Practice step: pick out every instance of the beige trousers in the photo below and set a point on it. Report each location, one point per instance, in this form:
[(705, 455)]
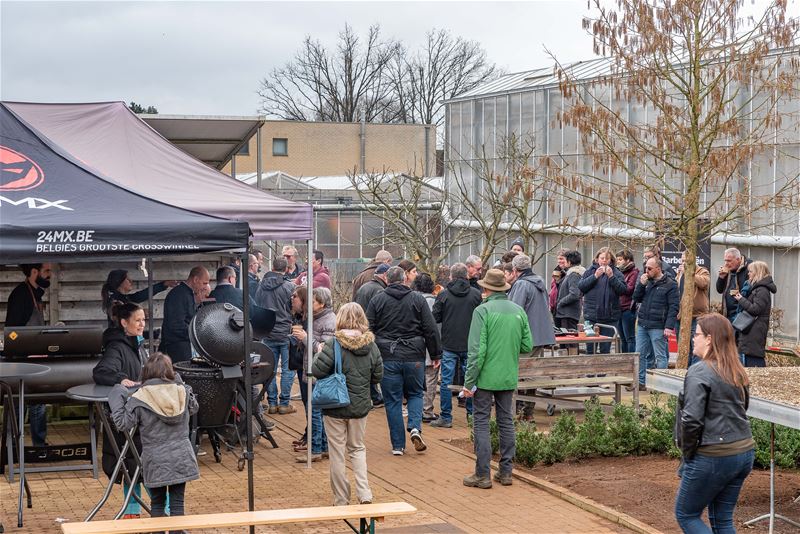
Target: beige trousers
[(347, 435), (431, 388)]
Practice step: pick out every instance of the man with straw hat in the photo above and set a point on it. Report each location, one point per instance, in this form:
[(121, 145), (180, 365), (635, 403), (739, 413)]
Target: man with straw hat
[(499, 332)]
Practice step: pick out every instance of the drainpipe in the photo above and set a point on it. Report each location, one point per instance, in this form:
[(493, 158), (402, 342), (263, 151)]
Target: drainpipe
[(427, 169), (363, 136)]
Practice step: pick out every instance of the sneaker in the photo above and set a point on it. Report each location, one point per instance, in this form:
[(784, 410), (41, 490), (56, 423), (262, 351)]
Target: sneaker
[(505, 479), (474, 481), (405, 411), (441, 423), (416, 439), (272, 410), (377, 403), (325, 455), (642, 387), (269, 425), (283, 410), (201, 452), (429, 418), (132, 516), (303, 458), (365, 502), (398, 452), (297, 396)]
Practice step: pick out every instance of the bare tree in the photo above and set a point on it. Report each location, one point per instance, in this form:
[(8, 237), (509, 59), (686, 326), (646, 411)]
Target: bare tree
[(410, 208), (444, 68), (333, 85), (709, 96)]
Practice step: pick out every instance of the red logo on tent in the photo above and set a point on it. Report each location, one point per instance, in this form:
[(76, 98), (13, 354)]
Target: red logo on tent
[(18, 172)]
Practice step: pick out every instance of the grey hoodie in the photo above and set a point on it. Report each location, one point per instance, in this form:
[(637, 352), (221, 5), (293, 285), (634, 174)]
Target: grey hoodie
[(530, 292), (569, 295), (275, 293), (161, 409)]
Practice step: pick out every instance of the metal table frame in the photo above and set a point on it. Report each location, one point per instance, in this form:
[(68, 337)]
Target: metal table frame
[(24, 370), (97, 396), (766, 410)]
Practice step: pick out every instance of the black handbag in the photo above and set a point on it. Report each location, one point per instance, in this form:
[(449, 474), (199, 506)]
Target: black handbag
[(296, 355), (743, 321)]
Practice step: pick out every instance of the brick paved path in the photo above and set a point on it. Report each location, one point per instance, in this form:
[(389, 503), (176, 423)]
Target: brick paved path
[(430, 481)]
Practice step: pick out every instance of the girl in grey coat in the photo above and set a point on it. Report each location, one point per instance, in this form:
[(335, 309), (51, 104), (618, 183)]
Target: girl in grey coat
[(161, 409)]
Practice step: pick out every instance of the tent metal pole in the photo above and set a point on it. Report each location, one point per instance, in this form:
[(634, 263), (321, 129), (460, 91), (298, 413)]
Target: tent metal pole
[(309, 344), (248, 385), (258, 158), (151, 342)]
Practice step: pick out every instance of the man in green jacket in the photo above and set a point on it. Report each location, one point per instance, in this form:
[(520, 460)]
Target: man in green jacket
[(499, 332)]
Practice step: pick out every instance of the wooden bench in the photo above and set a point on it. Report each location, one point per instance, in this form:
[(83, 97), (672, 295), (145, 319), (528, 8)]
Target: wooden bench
[(368, 514), (536, 374)]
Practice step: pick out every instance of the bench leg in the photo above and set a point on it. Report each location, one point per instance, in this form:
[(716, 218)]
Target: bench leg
[(618, 393)]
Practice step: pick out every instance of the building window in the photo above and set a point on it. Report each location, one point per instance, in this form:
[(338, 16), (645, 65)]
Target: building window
[(280, 146), (245, 150)]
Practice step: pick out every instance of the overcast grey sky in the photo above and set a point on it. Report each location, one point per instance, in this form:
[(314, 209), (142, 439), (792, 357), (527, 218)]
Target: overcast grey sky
[(207, 58)]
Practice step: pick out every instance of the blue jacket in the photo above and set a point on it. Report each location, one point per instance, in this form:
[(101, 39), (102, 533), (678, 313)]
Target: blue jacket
[(659, 299), (599, 307)]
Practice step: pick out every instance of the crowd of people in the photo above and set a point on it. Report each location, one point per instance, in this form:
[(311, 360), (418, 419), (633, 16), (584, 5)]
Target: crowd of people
[(408, 336)]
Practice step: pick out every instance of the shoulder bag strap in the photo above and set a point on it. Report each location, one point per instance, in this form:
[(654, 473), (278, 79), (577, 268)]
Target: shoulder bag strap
[(337, 350)]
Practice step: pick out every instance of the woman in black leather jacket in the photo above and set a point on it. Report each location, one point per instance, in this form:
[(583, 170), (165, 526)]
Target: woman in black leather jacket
[(712, 430)]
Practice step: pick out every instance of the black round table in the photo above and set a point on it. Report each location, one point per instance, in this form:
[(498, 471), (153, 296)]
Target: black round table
[(97, 396), (21, 371)]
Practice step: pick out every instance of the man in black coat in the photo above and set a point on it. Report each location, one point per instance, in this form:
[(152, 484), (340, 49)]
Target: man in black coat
[(253, 266), (732, 276), (404, 329), (658, 295), (225, 291), (25, 308), (378, 283), (453, 309), (179, 309)]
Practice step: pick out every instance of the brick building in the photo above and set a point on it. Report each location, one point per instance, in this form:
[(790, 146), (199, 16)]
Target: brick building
[(333, 148)]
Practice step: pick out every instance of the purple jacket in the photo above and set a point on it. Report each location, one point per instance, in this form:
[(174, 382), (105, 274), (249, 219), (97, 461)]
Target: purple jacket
[(631, 277)]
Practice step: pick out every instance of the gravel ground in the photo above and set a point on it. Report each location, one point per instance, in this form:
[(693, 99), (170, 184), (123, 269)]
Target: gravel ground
[(776, 384)]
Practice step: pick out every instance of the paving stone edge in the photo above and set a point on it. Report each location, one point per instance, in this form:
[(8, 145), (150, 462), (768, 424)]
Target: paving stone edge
[(584, 503)]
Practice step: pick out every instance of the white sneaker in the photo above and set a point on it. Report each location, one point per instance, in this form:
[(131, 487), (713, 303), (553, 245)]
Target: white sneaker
[(416, 439), (398, 452), (405, 411)]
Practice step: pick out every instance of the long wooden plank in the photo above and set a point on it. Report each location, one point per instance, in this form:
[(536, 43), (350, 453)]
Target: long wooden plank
[(242, 519), (564, 382)]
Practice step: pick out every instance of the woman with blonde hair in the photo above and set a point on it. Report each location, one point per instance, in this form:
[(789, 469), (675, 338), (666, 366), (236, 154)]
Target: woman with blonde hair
[(601, 285), (758, 303), (362, 366), (712, 430)]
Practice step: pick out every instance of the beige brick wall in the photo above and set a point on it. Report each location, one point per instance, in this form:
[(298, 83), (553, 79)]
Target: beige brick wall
[(332, 149)]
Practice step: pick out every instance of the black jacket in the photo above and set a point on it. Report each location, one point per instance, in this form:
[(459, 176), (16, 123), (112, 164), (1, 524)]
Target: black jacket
[(453, 308), (710, 411), (252, 285), (758, 303), (403, 325), (369, 290), (568, 304), (275, 293), (20, 304), (179, 309), (137, 297), (232, 295), (123, 357), (593, 309), (473, 283), (659, 300), (732, 281)]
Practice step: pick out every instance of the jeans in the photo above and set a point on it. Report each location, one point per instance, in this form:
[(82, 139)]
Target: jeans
[(692, 358), (403, 378), (158, 500), (602, 348), (653, 350), (449, 362), (713, 482), (281, 351), (37, 417), (319, 439), (754, 361), (482, 402), (627, 331)]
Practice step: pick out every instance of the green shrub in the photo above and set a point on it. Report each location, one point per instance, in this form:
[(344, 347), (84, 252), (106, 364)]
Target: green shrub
[(787, 445)]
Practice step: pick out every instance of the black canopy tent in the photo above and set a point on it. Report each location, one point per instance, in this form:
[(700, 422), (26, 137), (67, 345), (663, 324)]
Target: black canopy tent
[(55, 206)]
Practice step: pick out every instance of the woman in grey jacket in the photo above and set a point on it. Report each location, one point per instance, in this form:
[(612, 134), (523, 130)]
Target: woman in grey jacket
[(161, 409), (712, 430)]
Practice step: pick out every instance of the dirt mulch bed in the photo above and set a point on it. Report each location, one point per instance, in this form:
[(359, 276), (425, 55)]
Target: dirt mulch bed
[(644, 487)]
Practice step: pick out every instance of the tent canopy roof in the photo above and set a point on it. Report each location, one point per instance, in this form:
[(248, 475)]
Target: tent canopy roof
[(110, 140), (210, 138)]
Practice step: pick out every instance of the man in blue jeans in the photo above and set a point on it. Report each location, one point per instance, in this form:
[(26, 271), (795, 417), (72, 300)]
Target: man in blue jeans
[(404, 329), (276, 293), (453, 309), (658, 295)]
